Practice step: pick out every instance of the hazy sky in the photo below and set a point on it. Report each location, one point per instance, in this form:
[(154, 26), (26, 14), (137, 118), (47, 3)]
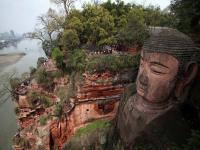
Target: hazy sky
[(21, 15)]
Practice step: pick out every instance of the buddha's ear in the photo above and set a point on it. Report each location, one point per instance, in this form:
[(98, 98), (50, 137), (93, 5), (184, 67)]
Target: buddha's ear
[(189, 74)]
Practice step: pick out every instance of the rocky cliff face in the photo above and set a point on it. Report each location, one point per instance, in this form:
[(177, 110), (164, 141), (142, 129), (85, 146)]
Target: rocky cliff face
[(96, 97)]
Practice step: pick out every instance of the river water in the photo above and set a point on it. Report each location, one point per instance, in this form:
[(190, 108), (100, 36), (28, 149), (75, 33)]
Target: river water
[(33, 51)]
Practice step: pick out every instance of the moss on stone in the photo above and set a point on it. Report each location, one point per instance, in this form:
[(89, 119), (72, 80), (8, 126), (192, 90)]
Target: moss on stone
[(92, 136), (99, 124), (34, 98), (43, 120)]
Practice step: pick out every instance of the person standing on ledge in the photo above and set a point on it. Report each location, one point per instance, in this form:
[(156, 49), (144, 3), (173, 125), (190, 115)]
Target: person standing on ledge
[(167, 69)]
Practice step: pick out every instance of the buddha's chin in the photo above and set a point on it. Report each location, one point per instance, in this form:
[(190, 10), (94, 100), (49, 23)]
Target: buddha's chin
[(142, 94), (146, 100)]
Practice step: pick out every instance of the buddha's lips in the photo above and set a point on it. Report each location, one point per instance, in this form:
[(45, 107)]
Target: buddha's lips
[(141, 88)]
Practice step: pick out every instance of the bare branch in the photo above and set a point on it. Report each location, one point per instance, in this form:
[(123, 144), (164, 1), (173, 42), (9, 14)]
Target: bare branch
[(4, 100), (5, 91), (67, 4), (37, 34)]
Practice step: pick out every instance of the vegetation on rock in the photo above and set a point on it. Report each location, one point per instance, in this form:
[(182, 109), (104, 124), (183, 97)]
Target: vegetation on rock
[(45, 79), (112, 63), (99, 124), (67, 40), (43, 120), (186, 14), (22, 142), (36, 98), (58, 110)]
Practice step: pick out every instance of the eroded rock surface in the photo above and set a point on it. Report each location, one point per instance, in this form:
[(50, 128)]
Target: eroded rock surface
[(96, 97)]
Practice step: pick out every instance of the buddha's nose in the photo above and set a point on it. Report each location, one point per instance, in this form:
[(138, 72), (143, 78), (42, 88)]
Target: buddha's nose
[(143, 79)]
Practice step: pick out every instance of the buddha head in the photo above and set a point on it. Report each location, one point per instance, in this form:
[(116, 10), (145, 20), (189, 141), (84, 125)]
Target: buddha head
[(167, 66)]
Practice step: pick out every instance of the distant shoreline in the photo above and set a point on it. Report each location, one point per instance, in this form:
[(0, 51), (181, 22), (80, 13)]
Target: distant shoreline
[(9, 59)]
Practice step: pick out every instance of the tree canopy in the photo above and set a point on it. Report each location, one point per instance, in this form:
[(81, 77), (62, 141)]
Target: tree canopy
[(95, 26), (99, 25), (187, 14), (66, 4), (49, 26)]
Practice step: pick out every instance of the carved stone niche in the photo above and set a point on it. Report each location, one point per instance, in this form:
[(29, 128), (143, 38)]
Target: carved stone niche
[(104, 108), (168, 66)]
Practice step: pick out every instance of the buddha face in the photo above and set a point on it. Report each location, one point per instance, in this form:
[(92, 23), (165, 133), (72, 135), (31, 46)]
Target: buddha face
[(156, 77)]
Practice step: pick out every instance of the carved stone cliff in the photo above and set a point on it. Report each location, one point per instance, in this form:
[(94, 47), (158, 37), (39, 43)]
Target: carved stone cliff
[(96, 97)]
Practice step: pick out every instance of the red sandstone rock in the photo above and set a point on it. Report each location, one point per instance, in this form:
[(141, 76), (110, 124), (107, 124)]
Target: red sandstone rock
[(95, 98), (23, 102), (49, 65), (61, 81)]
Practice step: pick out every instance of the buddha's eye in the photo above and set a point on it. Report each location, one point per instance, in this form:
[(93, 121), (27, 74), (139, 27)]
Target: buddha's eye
[(159, 70)]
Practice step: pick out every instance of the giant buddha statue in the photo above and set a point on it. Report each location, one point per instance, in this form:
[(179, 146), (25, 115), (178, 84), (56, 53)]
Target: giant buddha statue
[(167, 68)]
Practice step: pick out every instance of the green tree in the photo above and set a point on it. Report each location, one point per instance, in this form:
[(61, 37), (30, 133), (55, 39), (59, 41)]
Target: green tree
[(135, 32), (155, 17), (98, 26), (56, 53), (78, 60), (58, 57), (119, 11), (74, 23), (50, 25), (70, 40), (187, 13)]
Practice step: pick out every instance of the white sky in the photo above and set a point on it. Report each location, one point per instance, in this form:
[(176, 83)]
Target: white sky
[(21, 15)]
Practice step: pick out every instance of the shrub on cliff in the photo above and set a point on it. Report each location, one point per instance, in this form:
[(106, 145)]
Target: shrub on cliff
[(112, 63), (43, 120), (32, 70), (22, 142), (45, 101), (75, 60), (62, 93), (56, 53), (15, 82), (17, 110), (93, 134), (45, 79), (40, 61), (36, 98), (70, 39), (70, 60), (58, 57), (32, 98), (58, 110), (40, 147)]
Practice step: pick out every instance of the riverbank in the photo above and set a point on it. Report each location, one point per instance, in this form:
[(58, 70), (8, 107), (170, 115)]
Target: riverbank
[(8, 59), (33, 50)]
